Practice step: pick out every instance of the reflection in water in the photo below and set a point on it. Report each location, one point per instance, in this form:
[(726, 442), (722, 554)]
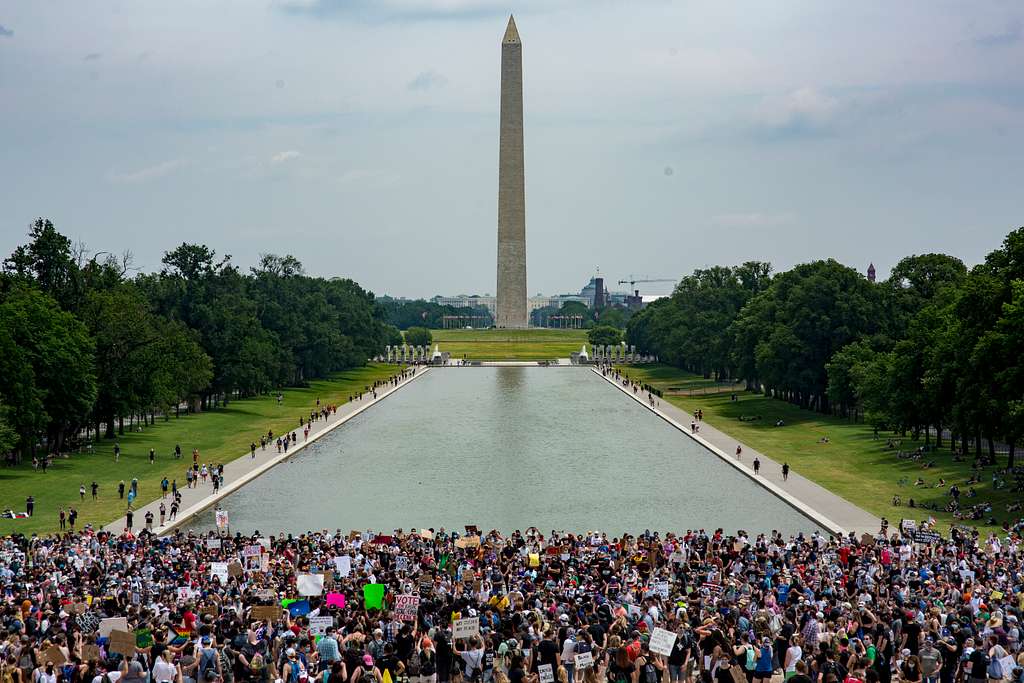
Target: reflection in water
[(506, 448)]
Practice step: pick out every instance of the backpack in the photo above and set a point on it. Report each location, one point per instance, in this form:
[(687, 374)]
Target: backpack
[(368, 676), (751, 661), (428, 666), (412, 667), (649, 672), (207, 660), (995, 668)]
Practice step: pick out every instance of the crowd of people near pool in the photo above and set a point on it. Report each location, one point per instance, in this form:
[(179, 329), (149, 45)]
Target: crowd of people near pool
[(441, 606)]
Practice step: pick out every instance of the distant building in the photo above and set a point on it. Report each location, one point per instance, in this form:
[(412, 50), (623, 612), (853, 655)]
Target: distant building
[(871, 272)]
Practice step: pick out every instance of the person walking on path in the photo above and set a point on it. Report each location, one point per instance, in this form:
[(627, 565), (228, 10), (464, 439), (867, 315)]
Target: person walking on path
[(252, 450), (163, 513), (149, 520), (785, 471), (163, 487), (30, 505), (81, 492), (757, 466), (152, 456), (128, 519), (63, 516), (120, 489), (739, 450)]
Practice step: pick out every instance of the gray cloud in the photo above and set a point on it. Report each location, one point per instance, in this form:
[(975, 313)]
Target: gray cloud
[(5, 32), (143, 175), (427, 80), (405, 10), (92, 57), (1010, 35)]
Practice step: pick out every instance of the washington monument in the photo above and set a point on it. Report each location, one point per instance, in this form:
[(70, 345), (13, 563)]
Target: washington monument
[(511, 300)]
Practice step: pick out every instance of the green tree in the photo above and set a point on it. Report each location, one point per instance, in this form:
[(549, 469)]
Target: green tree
[(418, 336), (604, 335), (50, 381)]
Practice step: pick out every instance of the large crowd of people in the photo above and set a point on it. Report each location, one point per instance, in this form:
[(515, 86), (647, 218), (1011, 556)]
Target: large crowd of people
[(436, 606)]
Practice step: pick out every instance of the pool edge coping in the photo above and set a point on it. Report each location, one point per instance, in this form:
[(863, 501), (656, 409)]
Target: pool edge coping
[(806, 510)]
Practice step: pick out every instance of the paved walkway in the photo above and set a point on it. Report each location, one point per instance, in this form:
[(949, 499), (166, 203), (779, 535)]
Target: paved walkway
[(819, 504), (244, 469)]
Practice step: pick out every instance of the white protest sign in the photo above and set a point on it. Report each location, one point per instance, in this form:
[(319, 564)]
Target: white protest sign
[(252, 551), (112, 624), (222, 518), (466, 628), (220, 570), (662, 641), (318, 625), (661, 589), (584, 660), (401, 563), (406, 607), (310, 584), (545, 673), (213, 543), (343, 564)]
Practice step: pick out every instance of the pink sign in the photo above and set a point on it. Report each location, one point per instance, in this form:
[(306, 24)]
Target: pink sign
[(335, 599)]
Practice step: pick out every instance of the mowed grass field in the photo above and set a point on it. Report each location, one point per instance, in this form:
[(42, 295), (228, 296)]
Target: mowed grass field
[(532, 344), (221, 435), (853, 464)]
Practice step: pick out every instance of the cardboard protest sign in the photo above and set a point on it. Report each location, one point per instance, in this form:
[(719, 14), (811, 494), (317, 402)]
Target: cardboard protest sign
[(584, 660), (54, 654), (235, 569), (468, 542), (122, 642), (662, 641), (373, 595), (310, 584), (90, 652), (262, 612), (112, 623), (545, 674), (427, 534), (335, 600), (318, 625), (466, 628), (406, 607)]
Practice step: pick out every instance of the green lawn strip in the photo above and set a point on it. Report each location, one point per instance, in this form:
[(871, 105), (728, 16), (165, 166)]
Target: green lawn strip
[(853, 464), (221, 435), (532, 344)]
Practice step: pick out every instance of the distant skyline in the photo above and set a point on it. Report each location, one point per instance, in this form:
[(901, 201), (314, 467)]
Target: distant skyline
[(362, 137)]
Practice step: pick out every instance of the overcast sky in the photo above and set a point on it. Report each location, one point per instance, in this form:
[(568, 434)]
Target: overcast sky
[(362, 135)]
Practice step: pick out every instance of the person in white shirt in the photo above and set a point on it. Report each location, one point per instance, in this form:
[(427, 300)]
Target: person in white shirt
[(794, 653)]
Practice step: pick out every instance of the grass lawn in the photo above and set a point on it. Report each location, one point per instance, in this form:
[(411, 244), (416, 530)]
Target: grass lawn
[(532, 344), (221, 435), (853, 464)]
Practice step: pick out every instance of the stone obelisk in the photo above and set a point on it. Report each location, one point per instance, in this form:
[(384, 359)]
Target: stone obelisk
[(511, 304)]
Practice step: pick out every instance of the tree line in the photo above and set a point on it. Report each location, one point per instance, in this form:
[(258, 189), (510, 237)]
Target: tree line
[(935, 347), (86, 342)]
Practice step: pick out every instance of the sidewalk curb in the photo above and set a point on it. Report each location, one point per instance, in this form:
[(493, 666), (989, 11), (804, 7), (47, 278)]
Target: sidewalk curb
[(798, 505), (117, 526)]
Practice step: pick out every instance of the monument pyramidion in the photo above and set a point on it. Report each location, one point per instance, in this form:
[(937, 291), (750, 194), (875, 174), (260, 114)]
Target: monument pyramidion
[(511, 306)]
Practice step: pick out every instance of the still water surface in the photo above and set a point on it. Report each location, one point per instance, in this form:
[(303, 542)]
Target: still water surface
[(506, 448)]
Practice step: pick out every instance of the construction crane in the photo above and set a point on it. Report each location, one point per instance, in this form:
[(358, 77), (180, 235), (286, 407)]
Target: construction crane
[(633, 282)]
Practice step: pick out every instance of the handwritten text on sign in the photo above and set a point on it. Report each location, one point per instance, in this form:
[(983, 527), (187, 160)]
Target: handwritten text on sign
[(662, 641), (466, 628), (406, 607)]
